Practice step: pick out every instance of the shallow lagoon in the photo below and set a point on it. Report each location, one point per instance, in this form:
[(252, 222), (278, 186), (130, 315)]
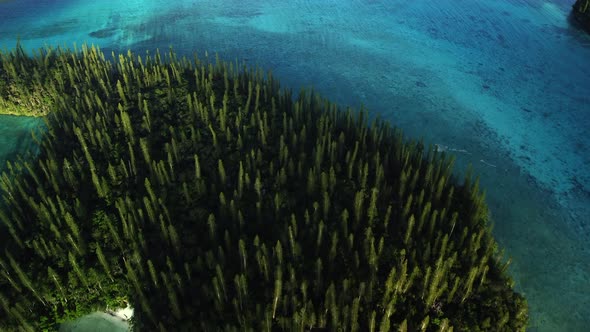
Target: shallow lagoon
[(96, 322), (503, 84), (15, 136)]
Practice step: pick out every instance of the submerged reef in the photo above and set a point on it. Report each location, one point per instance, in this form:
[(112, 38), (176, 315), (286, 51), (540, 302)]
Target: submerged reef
[(581, 12), (211, 199)]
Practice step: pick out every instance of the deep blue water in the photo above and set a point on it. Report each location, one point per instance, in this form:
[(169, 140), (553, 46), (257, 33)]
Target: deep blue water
[(504, 84)]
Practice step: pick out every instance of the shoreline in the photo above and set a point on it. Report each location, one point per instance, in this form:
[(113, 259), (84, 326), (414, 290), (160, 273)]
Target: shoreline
[(124, 314), (118, 320), (21, 114)]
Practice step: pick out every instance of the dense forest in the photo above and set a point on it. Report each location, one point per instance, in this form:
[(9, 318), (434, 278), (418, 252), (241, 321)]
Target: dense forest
[(21, 92), (581, 12), (213, 200)]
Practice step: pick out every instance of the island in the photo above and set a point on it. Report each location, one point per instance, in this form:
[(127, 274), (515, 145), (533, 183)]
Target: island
[(211, 199), (581, 13)]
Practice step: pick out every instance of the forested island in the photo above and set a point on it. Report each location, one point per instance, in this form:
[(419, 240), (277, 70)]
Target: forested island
[(581, 12), (213, 200)]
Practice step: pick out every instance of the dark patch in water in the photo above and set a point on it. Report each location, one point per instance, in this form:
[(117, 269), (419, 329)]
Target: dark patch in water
[(579, 187), (420, 84), (103, 33), (485, 86), (502, 40), (53, 29), (526, 109), (241, 13)]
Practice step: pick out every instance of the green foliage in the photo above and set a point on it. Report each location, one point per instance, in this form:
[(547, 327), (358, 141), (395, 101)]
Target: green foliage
[(582, 5), (245, 208), (581, 12)]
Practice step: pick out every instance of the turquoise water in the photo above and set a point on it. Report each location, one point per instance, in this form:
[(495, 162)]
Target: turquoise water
[(15, 136), (96, 322), (504, 84)]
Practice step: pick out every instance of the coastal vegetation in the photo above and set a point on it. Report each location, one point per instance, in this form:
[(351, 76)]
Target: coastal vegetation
[(22, 92), (581, 12), (211, 199)]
